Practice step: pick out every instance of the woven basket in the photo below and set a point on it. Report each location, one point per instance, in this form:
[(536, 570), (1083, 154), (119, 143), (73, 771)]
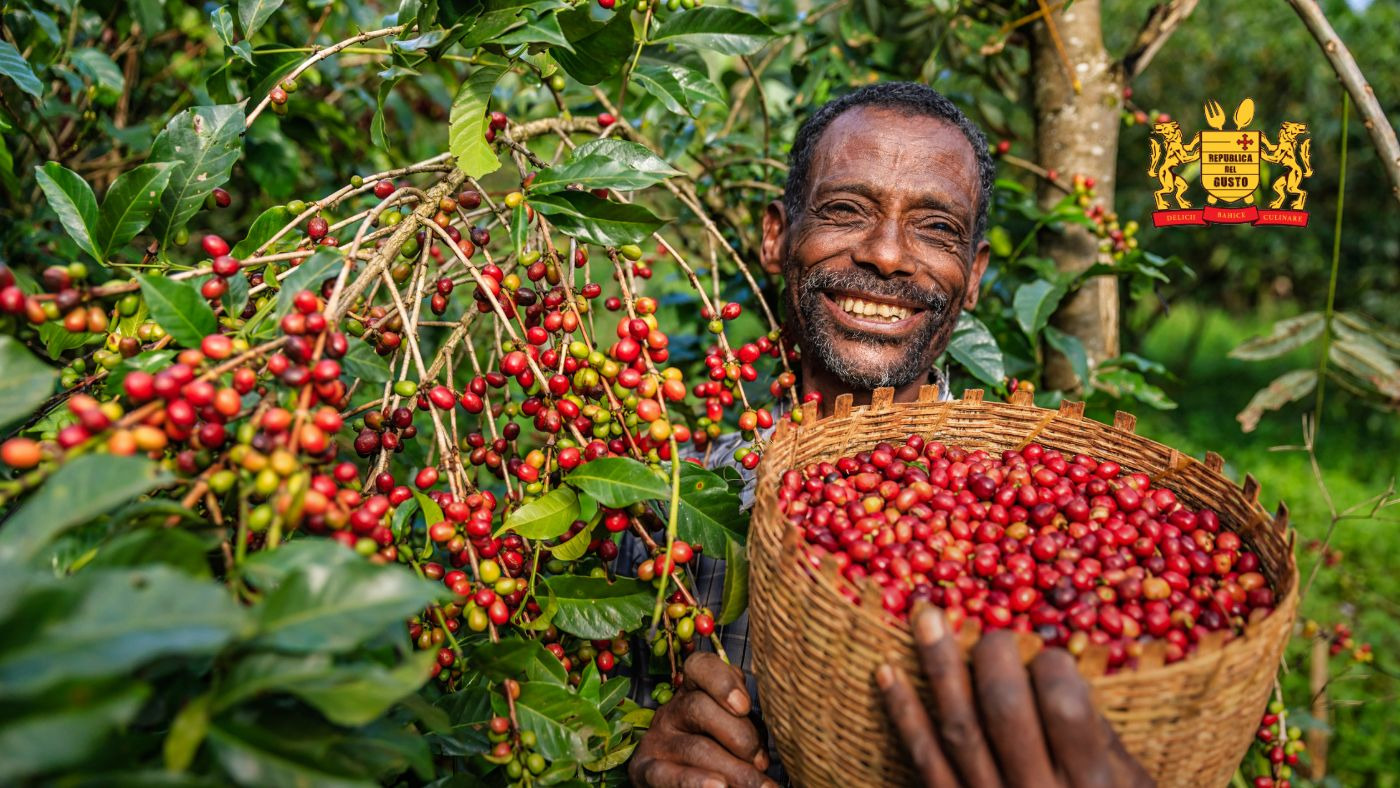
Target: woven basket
[(815, 653)]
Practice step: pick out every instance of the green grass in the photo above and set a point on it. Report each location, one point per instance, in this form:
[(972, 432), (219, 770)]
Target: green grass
[(1356, 449)]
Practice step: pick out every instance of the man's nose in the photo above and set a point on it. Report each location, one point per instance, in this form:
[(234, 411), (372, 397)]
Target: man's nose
[(884, 250)]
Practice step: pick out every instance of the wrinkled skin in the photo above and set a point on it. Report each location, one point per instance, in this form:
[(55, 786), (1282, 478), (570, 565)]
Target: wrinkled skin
[(890, 216)]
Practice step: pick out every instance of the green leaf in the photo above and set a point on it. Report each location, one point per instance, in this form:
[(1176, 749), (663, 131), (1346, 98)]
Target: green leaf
[(187, 732), (323, 265), (466, 131), (544, 30), (574, 549), (79, 491), (72, 199), (268, 569), (597, 221), (974, 347), (172, 547), (351, 694), (724, 30), (709, 512), (52, 736), (27, 381), (519, 228), (561, 721), (591, 607), (222, 22), (616, 165), (514, 658), (618, 481), (1034, 302), (254, 755), (14, 66), (264, 227), (179, 308), (127, 619), (664, 86), (1072, 349), (1126, 383), (1289, 387), (599, 49), (321, 608), (736, 584), (545, 517), (696, 87), (1287, 335), (98, 67), (203, 143), (129, 205), (362, 363), (253, 13)]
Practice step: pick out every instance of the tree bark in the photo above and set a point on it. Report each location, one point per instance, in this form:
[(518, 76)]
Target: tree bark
[(1077, 133)]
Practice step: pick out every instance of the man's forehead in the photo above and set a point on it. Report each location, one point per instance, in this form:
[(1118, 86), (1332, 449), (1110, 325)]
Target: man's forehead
[(892, 149)]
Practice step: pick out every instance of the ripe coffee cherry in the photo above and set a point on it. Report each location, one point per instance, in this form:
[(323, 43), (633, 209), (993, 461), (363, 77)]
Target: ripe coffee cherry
[(21, 453), (225, 266), (317, 227), (606, 119), (214, 246), (383, 188)]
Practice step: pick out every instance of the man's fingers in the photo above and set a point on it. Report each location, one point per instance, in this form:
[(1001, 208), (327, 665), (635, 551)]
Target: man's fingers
[(697, 712), (703, 753), (725, 683), (1077, 736), (912, 722), (669, 774), (1009, 711), (954, 714)]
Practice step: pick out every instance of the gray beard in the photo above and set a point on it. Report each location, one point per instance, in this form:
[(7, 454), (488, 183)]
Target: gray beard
[(820, 330)]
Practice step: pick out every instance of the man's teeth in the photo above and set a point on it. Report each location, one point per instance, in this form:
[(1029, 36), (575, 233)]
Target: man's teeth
[(871, 310)]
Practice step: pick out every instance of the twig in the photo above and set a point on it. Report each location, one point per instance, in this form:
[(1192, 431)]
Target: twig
[(318, 57), (1373, 117), (1162, 21)]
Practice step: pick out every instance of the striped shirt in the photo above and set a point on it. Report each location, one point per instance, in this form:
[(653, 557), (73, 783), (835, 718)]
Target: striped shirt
[(708, 586)]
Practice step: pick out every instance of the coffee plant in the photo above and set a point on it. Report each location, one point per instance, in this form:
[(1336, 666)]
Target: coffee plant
[(319, 462)]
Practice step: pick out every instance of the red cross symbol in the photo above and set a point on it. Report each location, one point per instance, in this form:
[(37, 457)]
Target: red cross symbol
[(1244, 141)]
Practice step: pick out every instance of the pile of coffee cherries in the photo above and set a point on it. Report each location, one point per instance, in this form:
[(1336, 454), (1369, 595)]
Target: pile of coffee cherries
[(1067, 547)]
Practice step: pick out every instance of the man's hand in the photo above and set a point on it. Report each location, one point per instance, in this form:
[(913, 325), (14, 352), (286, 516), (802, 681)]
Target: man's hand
[(1002, 725), (703, 738)]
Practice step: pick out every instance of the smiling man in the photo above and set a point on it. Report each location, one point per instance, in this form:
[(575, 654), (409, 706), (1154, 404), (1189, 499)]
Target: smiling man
[(879, 238)]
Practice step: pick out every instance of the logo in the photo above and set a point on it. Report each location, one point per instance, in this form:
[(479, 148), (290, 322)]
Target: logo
[(1230, 163)]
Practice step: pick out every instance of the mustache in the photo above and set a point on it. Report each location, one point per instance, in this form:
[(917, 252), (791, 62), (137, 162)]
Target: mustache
[(934, 300)]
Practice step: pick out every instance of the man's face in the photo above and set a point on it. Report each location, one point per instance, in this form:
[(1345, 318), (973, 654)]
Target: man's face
[(881, 262)]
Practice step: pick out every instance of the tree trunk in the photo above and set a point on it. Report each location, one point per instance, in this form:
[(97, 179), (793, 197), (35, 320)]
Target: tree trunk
[(1077, 133)]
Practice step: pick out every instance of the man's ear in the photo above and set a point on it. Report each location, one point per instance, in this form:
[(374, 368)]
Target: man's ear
[(974, 277), (774, 238)]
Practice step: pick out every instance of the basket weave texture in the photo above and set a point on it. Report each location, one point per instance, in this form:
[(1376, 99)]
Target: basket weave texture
[(815, 653)]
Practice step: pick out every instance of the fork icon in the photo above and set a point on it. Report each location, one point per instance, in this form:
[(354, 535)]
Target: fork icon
[(1215, 114)]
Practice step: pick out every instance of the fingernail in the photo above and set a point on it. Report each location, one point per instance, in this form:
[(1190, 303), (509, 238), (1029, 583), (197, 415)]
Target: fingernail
[(769, 784), (884, 676), (737, 700), (711, 782), (930, 627), (760, 761)]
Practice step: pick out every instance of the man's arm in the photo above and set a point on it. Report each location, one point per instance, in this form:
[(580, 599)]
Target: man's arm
[(703, 736)]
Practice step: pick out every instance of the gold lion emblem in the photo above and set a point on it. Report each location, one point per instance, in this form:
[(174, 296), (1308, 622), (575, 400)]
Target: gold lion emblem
[(1296, 159), (1166, 157)]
